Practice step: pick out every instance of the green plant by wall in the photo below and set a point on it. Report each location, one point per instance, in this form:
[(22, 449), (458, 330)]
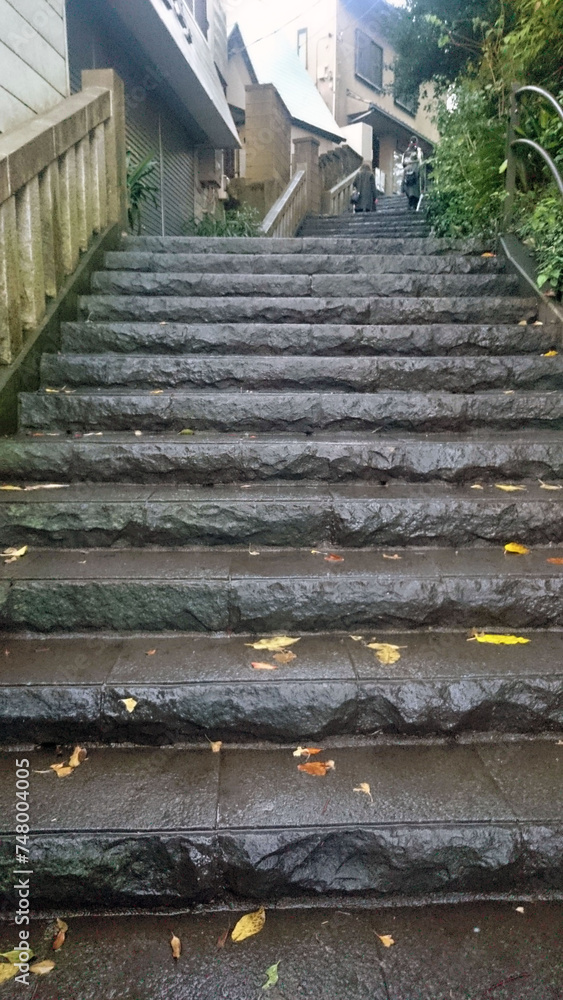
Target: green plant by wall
[(243, 221), (140, 188), (540, 225)]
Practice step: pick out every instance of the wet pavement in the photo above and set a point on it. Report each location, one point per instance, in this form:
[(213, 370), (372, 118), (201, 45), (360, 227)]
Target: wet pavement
[(478, 951)]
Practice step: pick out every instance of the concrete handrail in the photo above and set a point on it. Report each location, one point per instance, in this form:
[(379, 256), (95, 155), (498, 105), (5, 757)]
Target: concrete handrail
[(288, 212), (336, 200), (62, 179)]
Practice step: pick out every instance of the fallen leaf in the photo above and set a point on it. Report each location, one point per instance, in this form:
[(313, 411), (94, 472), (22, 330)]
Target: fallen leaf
[(42, 968), (498, 640), (537, 323), (550, 354), (59, 940), (394, 556), (556, 560), (176, 946), (129, 703), (253, 552), (386, 940), (62, 770), (549, 486), (138, 434), (14, 956), (93, 434), (523, 322), (332, 557), (258, 665), (56, 390), (476, 486), (79, 754), (488, 255), (62, 924), (250, 924), (508, 487), (222, 939), (156, 392), (318, 768), (508, 392), (14, 553), (306, 751), (151, 652), (519, 909), (386, 652), (316, 552), (186, 431), (364, 787), (19, 488), (48, 486), (516, 548), (357, 638), (272, 974), (215, 745), (8, 971), (277, 642), (284, 657)]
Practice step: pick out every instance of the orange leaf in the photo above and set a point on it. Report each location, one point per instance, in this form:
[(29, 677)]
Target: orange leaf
[(306, 751), (151, 652), (176, 946), (263, 666), (556, 561), (59, 940), (317, 767), (332, 557)]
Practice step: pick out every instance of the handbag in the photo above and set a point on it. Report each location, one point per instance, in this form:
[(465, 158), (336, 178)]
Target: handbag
[(355, 197)]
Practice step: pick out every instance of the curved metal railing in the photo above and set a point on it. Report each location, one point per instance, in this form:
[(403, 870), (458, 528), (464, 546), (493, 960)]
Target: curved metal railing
[(513, 141)]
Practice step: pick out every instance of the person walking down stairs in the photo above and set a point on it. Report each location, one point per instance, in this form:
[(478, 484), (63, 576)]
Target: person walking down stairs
[(364, 198)]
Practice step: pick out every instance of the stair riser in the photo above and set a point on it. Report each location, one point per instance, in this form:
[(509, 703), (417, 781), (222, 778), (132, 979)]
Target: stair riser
[(261, 245), (332, 460), (294, 285), (262, 605), (297, 412), (179, 869), (300, 263), (286, 711), (308, 310), (278, 374), (307, 340)]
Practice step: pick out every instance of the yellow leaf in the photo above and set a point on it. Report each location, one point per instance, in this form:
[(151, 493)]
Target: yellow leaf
[(477, 486), (215, 745), (15, 553), (284, 657), (550, 354), (364, 787), (386, 940), (62, 770), (156, 392), (20, 488), (79, 754), (549, 486), (508, 487), (498, 640), (129, 703), (8, 971), (249, 925), (386, 652), (62, 925), (357, 638), (42, 968), (276, 643), (14, 957), (316, 552), (176, 946), (186, 431), (488, 255), (516, 548)]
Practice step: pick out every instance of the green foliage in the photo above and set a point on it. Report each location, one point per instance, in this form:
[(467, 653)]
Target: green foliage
[(243, 221), (140, 188), (467, 191), (541, 227)]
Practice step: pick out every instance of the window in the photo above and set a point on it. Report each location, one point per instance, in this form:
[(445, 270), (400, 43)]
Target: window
[(302, 45), (406, 100), (369, 60)]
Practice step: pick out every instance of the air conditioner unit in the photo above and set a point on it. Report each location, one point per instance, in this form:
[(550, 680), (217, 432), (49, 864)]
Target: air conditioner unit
[(210, 167)]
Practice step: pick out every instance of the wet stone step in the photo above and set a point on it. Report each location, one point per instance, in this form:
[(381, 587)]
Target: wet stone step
[(307, 245), (240, 309), (293, 285), (208, 458), (304, 411), (359, 374), (308, 339), (171, 827), (210, 590), (222, 263), (94, 515), (190, 688)]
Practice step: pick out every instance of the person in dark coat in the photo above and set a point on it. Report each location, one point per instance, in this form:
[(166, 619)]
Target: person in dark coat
[(365, 195), (411, 172)]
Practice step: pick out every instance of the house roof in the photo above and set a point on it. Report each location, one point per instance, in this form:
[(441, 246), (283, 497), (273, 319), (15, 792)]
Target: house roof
[(271, 59)]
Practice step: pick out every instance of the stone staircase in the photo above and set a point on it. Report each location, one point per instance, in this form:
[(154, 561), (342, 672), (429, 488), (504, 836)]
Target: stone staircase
[(308, 438)]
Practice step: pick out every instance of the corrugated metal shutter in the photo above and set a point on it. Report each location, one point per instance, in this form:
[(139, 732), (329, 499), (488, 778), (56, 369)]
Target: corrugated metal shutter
[(178, 176), (143, 139)]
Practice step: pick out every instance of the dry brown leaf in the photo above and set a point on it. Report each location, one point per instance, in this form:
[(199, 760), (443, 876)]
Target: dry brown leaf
[(549, 486), (79, 754), (284, 657), (250, 924), (394, 556), (364, 787), (62, 770), (386, 652), (258, 665), (318, 768), (59, 940), (516, 549), (556, 560), (129, 703), (332, 557), (386, 940), (42, 968), (307, 751), (151, 652), (509, 487), (222, 939), (275, 644), (498, 640), (176, 946), (215, 745)]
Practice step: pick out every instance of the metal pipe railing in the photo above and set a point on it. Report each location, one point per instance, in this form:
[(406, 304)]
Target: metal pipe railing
[(513, 141)]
